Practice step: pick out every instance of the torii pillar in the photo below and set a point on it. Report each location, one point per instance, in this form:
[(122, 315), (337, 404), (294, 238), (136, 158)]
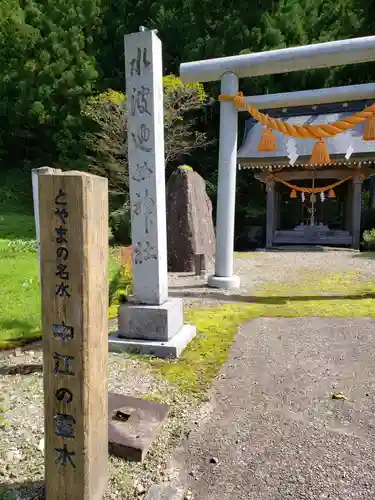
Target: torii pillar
[(226, 189)]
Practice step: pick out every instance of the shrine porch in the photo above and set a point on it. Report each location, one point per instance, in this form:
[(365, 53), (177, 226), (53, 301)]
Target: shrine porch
[(295, 216), (312, 236)]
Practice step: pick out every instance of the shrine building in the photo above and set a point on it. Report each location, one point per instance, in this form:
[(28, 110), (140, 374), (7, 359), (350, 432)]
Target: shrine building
[(311, 204)]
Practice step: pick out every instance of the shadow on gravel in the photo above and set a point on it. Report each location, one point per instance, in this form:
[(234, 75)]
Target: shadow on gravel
[(21, 369), (17, 333), (365, 255), (30, 490), (307, 248), (272, 300), (199, 286)]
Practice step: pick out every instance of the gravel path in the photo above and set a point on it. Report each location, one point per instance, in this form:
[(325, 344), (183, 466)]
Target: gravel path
[(275, 433), (22, 421), (272, 268)]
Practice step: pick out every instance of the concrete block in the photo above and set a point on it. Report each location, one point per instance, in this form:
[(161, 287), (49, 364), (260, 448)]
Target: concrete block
[(169, 349), (146, 322), (133, 425)]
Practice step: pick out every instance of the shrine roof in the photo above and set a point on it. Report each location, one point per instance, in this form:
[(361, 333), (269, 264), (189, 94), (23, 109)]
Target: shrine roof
[(345, 149)]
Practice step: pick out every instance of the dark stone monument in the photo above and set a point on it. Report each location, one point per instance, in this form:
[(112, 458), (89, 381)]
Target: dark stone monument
[(189, 220)]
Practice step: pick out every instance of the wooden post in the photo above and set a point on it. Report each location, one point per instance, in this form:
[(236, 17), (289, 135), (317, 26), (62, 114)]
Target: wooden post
[(348, 206), (270, 187), (356, 211), (372, 193), (73, 211), (277, 209)]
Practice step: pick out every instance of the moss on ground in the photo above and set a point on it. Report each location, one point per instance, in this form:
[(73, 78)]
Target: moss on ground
[(245, 255), (313, 282), (217, 326), (200, 362)]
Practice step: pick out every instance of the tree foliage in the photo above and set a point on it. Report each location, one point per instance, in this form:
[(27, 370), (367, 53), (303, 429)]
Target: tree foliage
[(292, 23), (109, 155), (47, 74), (190, 30), (58, 58)]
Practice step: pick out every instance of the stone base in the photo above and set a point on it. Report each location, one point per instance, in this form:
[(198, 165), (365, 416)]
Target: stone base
[(223, 282), (146, 322), (161, 349)]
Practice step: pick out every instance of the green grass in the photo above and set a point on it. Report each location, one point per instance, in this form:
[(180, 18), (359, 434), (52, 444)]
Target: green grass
[(19, 293), (366, 255), (20, 320), (314, 283)]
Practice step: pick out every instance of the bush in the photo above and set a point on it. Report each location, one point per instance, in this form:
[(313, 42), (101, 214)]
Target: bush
[(120, 225), (369, 239), (16, 190), (121, 286), (367, 219)]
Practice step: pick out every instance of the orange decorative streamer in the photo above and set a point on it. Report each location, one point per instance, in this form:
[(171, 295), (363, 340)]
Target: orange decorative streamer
[(267, 142), (369, 133), (320, 154), (307, 189), (331, 193)]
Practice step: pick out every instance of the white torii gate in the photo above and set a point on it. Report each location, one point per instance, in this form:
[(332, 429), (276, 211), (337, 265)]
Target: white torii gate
[(228, 70)]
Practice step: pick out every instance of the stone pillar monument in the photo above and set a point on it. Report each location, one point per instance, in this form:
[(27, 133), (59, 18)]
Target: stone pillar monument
[(150, 323)]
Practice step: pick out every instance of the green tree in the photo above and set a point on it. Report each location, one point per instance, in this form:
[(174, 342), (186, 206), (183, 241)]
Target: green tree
[(189, 29), (50, 74), (108, 145), (109, 155), (117, 19), (17, 41), (300, 22)]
